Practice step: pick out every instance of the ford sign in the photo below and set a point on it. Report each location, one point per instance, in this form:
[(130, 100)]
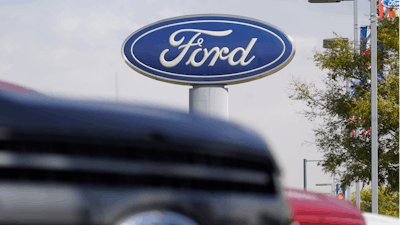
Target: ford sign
[(208, 49), (390, 3)]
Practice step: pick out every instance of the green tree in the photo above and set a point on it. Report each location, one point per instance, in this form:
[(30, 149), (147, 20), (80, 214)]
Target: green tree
[(388, 202), (332, 107)]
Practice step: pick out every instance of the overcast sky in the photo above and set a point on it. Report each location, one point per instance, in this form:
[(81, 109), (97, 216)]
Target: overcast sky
[(73, 49)]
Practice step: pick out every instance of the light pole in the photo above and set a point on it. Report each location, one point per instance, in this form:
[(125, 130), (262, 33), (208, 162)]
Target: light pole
[(355, 8), (374, 111), (305, 171), (357, 49), (331, 184)]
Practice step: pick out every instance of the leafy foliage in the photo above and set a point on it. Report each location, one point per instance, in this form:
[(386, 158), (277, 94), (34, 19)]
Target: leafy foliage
[(388, 202), (333, 107)]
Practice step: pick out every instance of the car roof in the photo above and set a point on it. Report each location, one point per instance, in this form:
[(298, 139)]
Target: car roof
[(35, 114)]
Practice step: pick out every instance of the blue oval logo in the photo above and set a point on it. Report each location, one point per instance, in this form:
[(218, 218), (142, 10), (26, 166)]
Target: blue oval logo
[(208, 49), (390, 3)]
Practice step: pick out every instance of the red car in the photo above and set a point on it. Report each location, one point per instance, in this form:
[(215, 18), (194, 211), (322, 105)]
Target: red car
[(316, 208), (13, 87)]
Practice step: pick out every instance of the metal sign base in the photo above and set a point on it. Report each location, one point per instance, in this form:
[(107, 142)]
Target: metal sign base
[(209, 100)]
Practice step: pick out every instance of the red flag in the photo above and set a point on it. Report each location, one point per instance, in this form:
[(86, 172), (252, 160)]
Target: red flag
[(391, 13), (381, 11)]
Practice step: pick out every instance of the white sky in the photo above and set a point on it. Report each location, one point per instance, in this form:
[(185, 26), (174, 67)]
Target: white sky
[(73, 49)]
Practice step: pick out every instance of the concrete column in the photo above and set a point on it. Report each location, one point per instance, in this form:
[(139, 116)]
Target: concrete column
[(209, 100)]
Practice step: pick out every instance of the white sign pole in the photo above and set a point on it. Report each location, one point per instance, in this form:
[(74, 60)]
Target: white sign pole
[(209, 100)]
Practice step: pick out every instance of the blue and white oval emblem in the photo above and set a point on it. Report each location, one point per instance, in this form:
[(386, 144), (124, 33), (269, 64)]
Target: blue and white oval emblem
[(208, 49), (390, 3)]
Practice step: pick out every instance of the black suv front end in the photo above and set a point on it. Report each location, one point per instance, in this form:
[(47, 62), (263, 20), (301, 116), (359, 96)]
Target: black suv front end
[(75, 162)]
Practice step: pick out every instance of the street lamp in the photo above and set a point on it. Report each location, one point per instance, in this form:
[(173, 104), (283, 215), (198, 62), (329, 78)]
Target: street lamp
[(329, 41), (331, 184), (305, 171), (356, 48), (326, 1), (355, 6)]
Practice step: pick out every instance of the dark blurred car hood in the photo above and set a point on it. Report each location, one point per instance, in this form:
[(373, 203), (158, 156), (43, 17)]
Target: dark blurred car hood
[(36, 115)]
